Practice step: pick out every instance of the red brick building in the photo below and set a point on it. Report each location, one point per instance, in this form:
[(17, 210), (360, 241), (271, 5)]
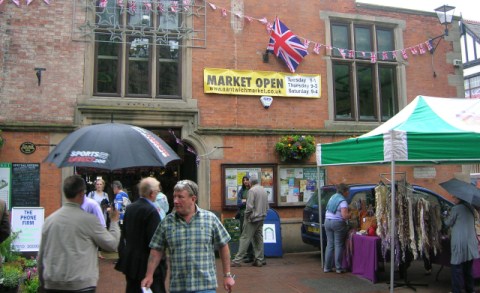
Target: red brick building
[(144, 65)]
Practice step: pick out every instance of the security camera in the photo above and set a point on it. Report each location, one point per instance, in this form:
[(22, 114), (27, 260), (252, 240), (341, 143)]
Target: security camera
[(266, 101)]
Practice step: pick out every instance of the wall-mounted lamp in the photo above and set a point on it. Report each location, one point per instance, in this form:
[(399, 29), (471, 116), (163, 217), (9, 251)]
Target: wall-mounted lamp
[(445, 16), (39, 74)]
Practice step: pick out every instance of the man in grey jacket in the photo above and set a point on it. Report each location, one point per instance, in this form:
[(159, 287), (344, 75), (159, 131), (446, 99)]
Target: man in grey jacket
[(67, 259), (255, 213)]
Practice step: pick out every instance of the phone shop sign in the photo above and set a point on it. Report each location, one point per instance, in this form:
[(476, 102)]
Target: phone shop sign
[(28, 222)]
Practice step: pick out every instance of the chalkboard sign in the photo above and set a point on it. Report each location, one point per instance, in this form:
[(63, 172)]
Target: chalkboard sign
[(25, 185)]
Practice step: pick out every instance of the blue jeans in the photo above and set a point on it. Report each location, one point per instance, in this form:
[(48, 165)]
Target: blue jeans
[(336, 231), (201, 291), (462, 277)]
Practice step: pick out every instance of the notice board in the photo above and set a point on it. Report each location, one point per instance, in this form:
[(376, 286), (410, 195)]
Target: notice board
[(232, 181), (25, 191)]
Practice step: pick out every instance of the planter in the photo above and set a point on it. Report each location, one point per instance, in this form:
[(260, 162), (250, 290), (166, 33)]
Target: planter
[(295, 148)]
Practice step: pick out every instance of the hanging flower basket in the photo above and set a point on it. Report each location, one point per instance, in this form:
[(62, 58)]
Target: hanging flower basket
[(295, 147)]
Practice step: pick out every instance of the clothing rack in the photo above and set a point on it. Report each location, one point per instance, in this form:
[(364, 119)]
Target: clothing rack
[(403, 267)]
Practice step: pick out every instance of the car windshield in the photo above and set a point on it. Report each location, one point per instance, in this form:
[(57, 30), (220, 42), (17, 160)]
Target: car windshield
[(326, 194)]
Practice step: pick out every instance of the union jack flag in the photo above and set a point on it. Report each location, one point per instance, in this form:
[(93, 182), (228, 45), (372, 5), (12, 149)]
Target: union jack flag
[(286, 46)]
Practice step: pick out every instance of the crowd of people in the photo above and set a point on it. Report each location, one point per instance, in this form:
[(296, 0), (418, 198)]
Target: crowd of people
[(174, 251), (153, 245)]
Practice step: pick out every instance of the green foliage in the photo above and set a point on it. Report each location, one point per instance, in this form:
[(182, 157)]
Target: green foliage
[(1, 139), (7, 250), (11, 275), (295, 147)]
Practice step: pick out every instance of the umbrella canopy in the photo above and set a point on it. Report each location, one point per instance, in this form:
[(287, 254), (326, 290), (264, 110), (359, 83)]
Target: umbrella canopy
[(462, 190), (112, 146)]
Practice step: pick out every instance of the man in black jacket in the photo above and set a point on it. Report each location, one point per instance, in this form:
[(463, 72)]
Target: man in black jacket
[(139, 223)]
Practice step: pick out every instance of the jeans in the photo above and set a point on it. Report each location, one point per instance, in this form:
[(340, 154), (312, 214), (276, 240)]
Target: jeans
[(462, 277), (336, 231), (201, 291)]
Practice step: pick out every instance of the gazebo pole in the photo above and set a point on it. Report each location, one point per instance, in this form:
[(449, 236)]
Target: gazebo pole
[(319, 196)]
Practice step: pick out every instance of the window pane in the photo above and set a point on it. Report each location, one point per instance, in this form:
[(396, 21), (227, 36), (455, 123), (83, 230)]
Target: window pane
[(168, 69), (108, 16), (138, 67), (385, 44), (342, 85), (138, 15), (388, 95), (363, 41), (366, 92), (106, 76), (167, 19), (339, 38)]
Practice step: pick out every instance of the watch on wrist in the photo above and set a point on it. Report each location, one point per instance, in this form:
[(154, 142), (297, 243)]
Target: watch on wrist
[(228, 275)]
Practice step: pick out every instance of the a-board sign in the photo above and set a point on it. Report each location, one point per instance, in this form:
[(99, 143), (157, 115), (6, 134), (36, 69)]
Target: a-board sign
[(28, 221), (25, 185)]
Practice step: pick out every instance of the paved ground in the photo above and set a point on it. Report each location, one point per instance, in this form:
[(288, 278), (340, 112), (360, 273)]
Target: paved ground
[(299, 273)]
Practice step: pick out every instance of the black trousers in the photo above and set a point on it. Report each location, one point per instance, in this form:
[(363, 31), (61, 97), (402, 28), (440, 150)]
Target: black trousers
[(158, 285)]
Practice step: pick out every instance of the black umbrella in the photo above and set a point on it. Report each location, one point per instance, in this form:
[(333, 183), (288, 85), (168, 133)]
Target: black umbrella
[(463, 190), (112, 146)]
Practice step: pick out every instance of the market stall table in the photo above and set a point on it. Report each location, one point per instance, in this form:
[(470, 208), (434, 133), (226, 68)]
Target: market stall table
[(365, 257)]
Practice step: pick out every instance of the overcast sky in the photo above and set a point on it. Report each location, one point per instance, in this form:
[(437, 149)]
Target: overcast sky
[(469, 9)]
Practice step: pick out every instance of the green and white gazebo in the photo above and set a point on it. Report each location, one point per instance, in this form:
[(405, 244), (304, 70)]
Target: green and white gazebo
[(429, 130)]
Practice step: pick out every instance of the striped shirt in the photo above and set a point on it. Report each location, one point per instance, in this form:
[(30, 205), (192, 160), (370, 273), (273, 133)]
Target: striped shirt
[(191, 249)]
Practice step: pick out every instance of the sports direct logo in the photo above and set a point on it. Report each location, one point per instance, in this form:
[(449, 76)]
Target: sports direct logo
[(152, 141), (88, 157)]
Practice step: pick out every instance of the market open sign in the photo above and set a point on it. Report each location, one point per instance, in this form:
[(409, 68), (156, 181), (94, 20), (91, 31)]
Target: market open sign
[(247, 82)]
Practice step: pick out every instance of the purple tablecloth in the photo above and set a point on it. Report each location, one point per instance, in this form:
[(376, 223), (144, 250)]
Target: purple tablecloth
[(443, 258), (366, 250)]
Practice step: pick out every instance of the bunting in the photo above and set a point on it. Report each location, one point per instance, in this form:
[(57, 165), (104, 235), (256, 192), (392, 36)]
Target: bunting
[(28, 2), (415, 50), (418, 49), (189, 149)]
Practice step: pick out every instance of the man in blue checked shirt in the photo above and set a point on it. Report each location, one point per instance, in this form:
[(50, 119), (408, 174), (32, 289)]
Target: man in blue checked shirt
[(190, 234)]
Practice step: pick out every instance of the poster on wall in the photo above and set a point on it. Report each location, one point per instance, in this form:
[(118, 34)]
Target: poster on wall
[(5, 182), (28, 222), (297, 184), (232, 181)]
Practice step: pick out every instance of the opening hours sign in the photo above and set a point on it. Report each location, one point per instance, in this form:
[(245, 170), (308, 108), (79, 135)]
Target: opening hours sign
[(259, 83)]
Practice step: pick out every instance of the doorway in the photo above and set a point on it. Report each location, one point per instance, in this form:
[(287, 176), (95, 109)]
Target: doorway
[(168, 176)]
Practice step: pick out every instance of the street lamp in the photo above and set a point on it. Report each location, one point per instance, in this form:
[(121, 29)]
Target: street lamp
[(445, 16)]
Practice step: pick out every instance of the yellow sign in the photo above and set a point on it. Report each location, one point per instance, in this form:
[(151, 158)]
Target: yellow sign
[(260, 83)]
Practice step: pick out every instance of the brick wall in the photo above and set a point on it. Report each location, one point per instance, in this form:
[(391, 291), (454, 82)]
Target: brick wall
[(38, 35), (50, 175), (34, 36)]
